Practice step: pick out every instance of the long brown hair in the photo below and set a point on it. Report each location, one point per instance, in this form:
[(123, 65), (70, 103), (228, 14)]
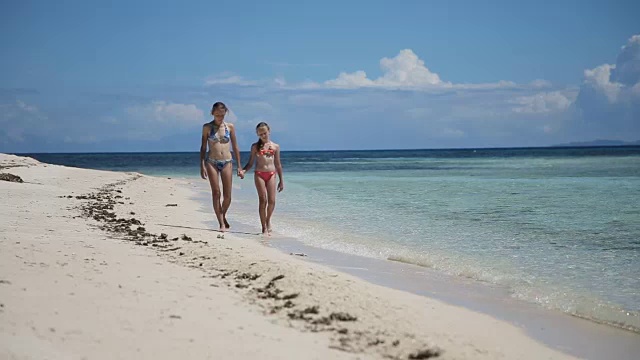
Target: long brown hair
[(259, 144)]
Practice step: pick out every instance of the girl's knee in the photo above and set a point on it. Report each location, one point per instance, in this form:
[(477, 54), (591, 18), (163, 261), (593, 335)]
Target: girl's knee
[(262, 200)]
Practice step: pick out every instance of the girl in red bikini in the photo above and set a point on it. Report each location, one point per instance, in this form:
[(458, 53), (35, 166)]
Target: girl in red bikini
[(266, 153)]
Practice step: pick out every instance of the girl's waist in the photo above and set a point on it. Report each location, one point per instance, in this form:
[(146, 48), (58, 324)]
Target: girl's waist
[(220, 154), (265, 169)]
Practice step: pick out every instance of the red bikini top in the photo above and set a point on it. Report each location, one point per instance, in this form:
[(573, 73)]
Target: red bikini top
[(267, 152)]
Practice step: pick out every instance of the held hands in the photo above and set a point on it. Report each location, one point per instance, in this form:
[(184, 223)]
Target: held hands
[(241, 173)]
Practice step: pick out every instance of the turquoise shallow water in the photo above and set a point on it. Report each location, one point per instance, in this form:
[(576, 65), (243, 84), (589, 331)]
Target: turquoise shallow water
[(557, 227)]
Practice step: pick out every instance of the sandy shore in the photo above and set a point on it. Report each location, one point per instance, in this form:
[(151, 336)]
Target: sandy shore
[(87, 270)]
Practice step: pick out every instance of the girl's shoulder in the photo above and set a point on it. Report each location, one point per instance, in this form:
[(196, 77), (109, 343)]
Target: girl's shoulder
[(206, 128)]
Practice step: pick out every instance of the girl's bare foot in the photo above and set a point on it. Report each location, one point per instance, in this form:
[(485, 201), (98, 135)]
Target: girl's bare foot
[(226, 223), (221, 225)]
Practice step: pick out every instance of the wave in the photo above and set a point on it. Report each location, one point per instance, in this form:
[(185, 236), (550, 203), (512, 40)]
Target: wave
[(553, 298)]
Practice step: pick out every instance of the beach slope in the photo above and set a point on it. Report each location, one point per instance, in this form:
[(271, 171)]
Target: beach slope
[(102, 265)]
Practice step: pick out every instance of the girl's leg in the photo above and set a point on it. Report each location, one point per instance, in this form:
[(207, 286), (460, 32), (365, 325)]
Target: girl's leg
[(212, 174), (271, 200), (227, 181), (262, 201)]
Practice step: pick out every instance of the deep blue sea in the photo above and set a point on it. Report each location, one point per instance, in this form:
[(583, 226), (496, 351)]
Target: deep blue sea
[(559, 227)]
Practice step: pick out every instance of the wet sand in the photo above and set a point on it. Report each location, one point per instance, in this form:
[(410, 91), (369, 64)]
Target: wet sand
[(576, 336), (88, 271)]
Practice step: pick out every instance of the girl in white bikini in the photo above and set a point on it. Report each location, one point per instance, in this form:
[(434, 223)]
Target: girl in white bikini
[(217, 164)]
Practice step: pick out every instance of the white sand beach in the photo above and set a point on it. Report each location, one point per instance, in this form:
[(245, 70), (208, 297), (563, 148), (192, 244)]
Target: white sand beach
[(88, 271)]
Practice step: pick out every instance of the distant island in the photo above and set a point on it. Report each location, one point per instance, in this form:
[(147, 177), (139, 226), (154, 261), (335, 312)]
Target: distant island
[(600, 143)]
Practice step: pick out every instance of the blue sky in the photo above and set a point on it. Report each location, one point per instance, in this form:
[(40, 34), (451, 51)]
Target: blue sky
[(141, 76)]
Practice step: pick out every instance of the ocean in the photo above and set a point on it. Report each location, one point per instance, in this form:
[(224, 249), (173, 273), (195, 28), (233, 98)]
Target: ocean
[(558, 227)]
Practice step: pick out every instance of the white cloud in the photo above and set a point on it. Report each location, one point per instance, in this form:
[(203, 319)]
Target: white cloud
[(403, 70), (544, 102), (540, 83), (228, 79), (599, 79), (407, 71), (350, 81), (609, 101), (421, 119), (163, 112), (627, 70), (617, 82), (502, 84)]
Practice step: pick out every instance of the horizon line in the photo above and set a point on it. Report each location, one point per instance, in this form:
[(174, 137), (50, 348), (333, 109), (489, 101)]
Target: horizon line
[(564, 146)]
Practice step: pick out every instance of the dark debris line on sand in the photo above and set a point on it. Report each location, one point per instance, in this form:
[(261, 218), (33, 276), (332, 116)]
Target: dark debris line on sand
[(99, 207), (10, 178), (333, 321)]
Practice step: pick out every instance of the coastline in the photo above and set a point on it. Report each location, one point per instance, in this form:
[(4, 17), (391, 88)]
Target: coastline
[(575, 335), (79, 265)]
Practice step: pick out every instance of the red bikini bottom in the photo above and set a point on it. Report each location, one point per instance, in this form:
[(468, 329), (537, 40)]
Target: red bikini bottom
[(265, 175)]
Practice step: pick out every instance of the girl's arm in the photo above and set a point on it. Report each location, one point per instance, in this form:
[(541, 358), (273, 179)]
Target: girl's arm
[(279, 169), (236, 148), (252, 157), (203, 150)]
